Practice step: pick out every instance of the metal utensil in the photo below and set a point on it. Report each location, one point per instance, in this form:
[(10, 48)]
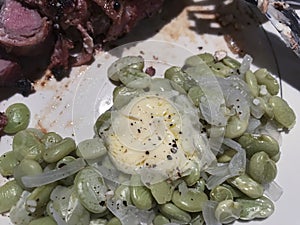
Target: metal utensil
[(284, 18)]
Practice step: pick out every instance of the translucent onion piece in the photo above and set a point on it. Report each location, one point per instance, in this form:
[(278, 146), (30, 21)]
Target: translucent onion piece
[(18, 213), (129, 214), (221, 172), (58, 219), (273, 191), (245, 66), (253, 125), (209, 213), (54, 175)]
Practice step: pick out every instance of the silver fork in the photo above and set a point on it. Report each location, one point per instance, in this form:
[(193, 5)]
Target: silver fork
[(284, 18)]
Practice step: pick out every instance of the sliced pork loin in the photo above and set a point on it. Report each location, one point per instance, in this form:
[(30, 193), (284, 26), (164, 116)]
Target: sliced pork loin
[(23, 31)]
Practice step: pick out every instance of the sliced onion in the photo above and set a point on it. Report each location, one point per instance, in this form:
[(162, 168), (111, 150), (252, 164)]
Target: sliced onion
[(209, 213), (129, 214), (221, 172), (18, 213), (245, 65), (53, 175), (273, 191)]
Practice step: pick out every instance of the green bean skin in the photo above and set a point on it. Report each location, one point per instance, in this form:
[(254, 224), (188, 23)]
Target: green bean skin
[(91, 189), (10, 193), (253, 143), (27, 145), (18, 116), (227, 211), (265, 78), (39, 198), (247, 185), (8, 162), (206, 57), (160, 220), (134, 78), (195, 93), (194, 176), (226, 156), (114, 221), (104, 117), (59, 150), (261, 168), (235, 127), (259, 208), (47, 220), (220, 193), (230, 62), (123, 193), (50, 139), (124, 63), (283, 113), (162, 191), (252, 83), (99, 221), (171, 211), (91, 148), (141, 196), (27, 167), (192, 201), (220, 69)]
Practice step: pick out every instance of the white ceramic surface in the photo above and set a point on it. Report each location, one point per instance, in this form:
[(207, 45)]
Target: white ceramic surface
[(69, 108)]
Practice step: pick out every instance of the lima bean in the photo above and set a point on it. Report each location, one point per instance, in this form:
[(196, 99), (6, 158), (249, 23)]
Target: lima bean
[(122, 95), (50, 138), (27, 167), (123, 193), (247, 185), (206, 57), (160, 220), (195, 93), (99, 221), (114, 221), (283, 113), (59, 150), (194, 175), (47, 220), (162, 191), (91, 189), (27, 145), (18, 117), (226, 156), (124, 63), (232, 63), (141, 196), (254, 143), (10, 193), (220, 193), (220, 69), (103, 118), (227, 211), (252, 83), (171, 211), (39, 198), (191, 201), (265, 78), (261, 168), (255, 208), (235, 127), (8, 162), (91, 148)]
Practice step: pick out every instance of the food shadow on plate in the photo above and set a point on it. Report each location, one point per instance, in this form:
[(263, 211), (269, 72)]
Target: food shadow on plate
[(151, 26), (241, 25)]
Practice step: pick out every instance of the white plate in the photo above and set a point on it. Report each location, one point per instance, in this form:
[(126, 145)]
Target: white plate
[(62, 106)]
